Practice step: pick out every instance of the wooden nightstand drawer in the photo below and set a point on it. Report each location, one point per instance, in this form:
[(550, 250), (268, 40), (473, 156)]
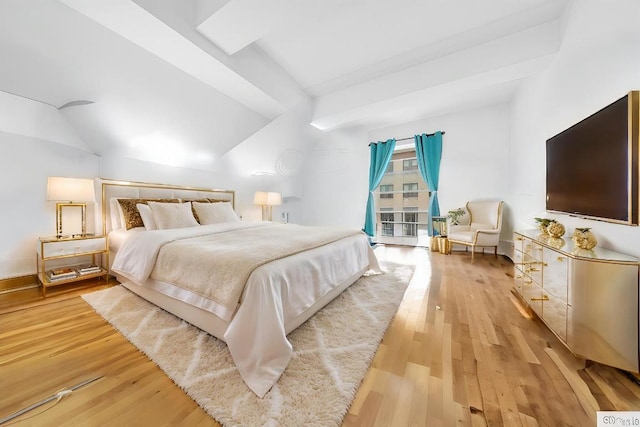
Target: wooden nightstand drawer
[(61, 248)]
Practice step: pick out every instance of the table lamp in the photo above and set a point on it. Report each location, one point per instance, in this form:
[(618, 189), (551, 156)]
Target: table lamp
[(70, 192), (267, 199)]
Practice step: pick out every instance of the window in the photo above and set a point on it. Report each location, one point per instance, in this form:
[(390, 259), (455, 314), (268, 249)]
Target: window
[(410, 222), (410, 190), (386, 191), (402, 202), (387, 219), (409, 164), (411, 217)]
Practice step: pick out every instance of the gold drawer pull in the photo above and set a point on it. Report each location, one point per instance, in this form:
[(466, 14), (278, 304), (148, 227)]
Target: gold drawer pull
[(544, 298), (561, 258), (518, 238), (533, 269)]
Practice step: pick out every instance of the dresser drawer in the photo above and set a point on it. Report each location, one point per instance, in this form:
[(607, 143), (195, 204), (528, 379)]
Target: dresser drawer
[(72, 247), (554, 313), (533, 295), (532, 250), (518, 259)]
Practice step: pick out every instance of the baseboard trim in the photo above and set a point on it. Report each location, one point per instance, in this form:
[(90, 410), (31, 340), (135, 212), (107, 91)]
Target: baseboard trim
[(18, 282)]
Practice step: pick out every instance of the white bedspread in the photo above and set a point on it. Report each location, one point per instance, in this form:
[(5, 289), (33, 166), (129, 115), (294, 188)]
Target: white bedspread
[(273, 295)]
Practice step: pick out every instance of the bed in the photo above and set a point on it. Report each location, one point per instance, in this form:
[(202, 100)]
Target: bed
[(247, 283)]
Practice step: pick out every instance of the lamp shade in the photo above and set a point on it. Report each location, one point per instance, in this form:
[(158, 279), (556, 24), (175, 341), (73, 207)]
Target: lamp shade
[(274, 199), (70, 189), (260, 198)]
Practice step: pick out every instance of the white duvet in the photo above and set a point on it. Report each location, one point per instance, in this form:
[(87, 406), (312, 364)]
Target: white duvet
[(275, 294)]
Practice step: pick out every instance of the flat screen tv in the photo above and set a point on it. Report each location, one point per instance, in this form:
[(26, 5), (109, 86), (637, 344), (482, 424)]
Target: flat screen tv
[(592, 167)]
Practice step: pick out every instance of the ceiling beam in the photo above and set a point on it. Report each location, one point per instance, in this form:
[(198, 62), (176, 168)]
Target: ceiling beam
[(239, 23), (129, 20), (499, 61)]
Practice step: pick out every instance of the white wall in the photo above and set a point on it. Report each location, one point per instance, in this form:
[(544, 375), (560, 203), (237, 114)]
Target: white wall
[(474, 165), (25, 164), (334, 182), (597, 64)]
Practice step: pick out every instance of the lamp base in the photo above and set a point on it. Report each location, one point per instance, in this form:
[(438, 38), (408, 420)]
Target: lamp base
[(59, 207), (266, 212)]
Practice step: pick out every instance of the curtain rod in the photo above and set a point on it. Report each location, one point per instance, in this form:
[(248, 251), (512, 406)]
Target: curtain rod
[(411, 137), (406, 139)]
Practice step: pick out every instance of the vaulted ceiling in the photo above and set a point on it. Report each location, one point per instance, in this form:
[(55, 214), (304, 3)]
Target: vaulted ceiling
[(185, 81)]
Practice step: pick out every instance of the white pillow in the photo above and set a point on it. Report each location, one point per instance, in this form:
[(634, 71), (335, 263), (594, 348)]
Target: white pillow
[(172, 215), (147, 216), (115, 212), (215, 213)]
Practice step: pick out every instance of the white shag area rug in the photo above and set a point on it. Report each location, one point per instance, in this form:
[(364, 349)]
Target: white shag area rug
[(331, 353)]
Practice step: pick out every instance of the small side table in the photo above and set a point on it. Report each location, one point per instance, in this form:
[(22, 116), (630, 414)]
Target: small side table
[(72, 249), (444, 245), (440, 244)]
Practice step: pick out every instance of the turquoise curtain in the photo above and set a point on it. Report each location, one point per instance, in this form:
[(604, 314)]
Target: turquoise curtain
[(381, 153), (429, 153)]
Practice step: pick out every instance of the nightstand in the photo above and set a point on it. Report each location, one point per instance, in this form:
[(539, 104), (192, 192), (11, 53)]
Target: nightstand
[(69, 259)]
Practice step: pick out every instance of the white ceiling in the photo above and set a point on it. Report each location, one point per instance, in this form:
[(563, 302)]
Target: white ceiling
[(205, 75)]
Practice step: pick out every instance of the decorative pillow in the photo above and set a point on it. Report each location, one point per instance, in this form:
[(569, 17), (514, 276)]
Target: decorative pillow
[(147, 216), (215, 213), (131, 215), (172, 215)]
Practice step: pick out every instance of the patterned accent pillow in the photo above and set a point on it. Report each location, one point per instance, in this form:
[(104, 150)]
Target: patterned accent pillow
[(132, 218)]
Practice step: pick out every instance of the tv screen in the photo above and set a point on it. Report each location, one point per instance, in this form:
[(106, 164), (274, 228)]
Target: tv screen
[(592, 167)]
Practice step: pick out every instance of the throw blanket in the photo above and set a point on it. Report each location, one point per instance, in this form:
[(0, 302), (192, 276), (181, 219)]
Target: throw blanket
[(137, 255), (217, 264)]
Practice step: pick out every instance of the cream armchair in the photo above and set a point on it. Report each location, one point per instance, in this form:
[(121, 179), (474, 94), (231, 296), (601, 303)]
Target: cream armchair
[(482, 228)]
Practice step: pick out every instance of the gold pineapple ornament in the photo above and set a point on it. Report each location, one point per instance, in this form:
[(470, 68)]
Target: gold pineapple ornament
[(583, 238), (555, 229)]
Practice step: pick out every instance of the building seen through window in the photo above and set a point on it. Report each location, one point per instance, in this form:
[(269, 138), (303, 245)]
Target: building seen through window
[(386, 191), (402, 201), (410, 164)]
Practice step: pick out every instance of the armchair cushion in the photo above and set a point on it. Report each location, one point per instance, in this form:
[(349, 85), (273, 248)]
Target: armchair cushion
[(479, 226), (456, 228), (463, 236)]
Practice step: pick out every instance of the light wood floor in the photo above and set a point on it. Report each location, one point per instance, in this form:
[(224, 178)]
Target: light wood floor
[(459, 352)]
